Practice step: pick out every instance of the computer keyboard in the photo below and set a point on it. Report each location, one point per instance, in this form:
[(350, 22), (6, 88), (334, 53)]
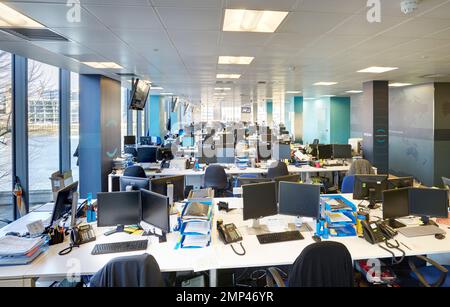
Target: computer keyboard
[(279, 237), (119, 247)]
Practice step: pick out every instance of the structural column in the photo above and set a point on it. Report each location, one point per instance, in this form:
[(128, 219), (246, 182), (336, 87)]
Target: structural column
[(64, 121), (376, 124)]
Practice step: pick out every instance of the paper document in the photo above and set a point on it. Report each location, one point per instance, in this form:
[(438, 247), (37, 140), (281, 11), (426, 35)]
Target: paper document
[(338, 217), (11, 245), (197, 227), (196, 241)]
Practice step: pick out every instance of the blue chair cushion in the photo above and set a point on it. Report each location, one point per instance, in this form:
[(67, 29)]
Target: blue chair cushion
[(431, 275), (348, 184)]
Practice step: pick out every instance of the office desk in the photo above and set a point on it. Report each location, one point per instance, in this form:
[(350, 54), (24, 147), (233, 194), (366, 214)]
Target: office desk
[(195, 178)]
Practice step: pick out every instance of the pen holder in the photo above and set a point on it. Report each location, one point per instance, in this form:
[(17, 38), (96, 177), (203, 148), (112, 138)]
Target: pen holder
[(56, 235)]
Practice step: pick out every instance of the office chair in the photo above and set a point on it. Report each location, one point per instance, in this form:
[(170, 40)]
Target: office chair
[(216, 178), (316, 142), (277, 169), (131, 151), (361, 167), (130, 271), (434, 275), (135, 171), (322, 264), (348, 184)]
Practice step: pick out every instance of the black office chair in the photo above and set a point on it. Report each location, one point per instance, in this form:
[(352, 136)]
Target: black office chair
[(135, 171), (277, 169), (322, 264), (216, 178), (130, 271)]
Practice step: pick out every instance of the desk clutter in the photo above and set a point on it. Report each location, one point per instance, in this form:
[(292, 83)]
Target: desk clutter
[(16, 250)]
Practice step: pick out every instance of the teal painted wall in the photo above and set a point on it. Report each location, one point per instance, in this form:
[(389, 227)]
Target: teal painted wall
[(155, 113), (340, 120), (298, 119), (269, 110), (316, 120)]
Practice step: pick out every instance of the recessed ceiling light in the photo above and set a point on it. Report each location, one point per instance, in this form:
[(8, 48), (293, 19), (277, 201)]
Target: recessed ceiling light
[(328, 95), (228, 76), (236, 60), (11, 18), (354, 92), (377, 69), (399, 84), (166, 94), (325, 83), (103, 65), (293, 92), (253, 20), (309, 98), (157, 88), (222, 88)]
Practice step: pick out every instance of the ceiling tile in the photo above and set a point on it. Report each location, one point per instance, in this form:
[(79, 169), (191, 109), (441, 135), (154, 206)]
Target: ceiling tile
[(191, 19)]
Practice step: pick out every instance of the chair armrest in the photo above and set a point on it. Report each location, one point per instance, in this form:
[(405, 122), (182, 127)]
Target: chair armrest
[(274, 275), (422, 279)]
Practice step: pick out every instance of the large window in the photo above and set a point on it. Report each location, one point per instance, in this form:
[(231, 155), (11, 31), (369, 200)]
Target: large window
[(6, 204), (43, 130), (74, 123), (124, 112)]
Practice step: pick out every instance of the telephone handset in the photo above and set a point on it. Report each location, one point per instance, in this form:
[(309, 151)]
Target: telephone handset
[(228, 233), (377, 232), (82, 234)]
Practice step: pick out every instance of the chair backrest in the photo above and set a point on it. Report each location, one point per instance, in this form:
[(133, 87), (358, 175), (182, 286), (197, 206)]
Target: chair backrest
[(215, 177), (323, 264), (361, 167), (348, 184), (130, 271), (277, 169), (135, 171)]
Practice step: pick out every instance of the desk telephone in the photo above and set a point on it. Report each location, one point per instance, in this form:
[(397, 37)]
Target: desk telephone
[(228, 233), (82, 234), (377, 232)]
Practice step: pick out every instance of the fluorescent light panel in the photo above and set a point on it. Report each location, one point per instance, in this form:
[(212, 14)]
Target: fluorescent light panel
[(354, 92), (293, 92), (236, 60), (157, 88), (228, 76), (253, 20), (325, 83), (222, 88), (166, 94), (10, 18), (103, 65), (377, 69), (399, 84)]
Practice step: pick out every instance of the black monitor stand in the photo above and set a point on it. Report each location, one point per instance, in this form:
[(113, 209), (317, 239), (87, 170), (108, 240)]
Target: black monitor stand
[(394, 223), (119, 228), (162, 237), (427, 222), (372, 200)]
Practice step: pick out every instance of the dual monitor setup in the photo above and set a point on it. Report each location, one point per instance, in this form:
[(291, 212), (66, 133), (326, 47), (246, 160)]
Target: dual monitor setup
[(331, 151)]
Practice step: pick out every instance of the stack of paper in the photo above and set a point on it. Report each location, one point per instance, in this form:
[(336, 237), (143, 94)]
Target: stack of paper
[(19, 251), (195, 226)]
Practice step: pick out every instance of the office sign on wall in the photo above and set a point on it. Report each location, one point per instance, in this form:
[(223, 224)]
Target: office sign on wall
[(246, 110)]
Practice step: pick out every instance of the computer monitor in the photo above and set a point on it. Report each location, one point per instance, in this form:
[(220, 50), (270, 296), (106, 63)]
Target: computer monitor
[(426, 203), (147, 154), (342, 151), (370, 187), (64, 200), (281, 151), (298, 199), (402, 182), (145, 140), (129, 140), (164, 154), (134, 183), (287, 178), (324, 152), (243, 181), (160, 186), (259, 200), (118, 209), (395, 205), (155, 210)]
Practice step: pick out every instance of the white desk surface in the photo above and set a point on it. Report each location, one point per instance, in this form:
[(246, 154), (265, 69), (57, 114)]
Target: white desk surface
[(238, 171), (217, 256)]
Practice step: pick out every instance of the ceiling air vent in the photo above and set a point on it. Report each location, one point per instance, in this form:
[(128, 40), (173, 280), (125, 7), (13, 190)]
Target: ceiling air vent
[(35, 34)]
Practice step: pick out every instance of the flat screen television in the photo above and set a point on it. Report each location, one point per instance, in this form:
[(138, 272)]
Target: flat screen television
[(139, 95)]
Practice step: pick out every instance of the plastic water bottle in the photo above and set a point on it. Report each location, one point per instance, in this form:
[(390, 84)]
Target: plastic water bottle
[(91, 215)]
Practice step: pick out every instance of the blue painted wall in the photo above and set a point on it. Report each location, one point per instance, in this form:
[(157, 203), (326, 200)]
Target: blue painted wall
[(155, 113)]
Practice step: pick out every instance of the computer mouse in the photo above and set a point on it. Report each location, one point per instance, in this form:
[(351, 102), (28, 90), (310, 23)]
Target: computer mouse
[(316, 238), (439, 236)]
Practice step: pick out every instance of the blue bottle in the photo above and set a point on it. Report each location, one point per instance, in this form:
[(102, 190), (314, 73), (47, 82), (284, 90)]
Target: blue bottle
[(91, 215)]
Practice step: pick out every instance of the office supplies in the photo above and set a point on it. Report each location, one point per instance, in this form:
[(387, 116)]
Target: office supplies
[(195, 241), (370, 187), (316, 238), (197, 210), (278, 237), (259, 201), (119, 247), (155, 212), (439, 236), (300, 200), (428, 203), (134, 183), (420, 231), (36, 228), (118, 209), (79, 235), (395, 205)]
